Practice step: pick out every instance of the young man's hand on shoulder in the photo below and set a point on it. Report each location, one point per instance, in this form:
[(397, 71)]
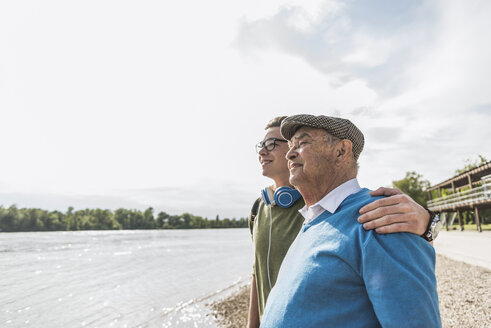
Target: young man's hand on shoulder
[(396, 213)]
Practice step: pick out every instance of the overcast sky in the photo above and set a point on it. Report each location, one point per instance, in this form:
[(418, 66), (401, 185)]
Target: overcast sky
[(159, 103)]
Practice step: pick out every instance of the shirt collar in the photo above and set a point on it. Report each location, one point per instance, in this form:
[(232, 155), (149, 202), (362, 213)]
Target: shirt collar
[(331, 201)]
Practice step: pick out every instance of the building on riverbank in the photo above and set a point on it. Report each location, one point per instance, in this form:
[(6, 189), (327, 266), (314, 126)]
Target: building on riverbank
[(468, 191)]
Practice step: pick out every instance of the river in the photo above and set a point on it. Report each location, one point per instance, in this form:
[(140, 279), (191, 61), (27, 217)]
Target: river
[(137, 278)]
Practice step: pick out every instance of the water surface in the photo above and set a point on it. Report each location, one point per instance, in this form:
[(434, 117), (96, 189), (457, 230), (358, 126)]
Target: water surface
[(156, 278)]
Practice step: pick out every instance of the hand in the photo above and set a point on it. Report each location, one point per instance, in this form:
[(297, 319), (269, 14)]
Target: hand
[(253, 317), (396, 213)]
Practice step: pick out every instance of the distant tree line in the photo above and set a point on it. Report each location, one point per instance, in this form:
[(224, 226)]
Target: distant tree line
[(13, 219)]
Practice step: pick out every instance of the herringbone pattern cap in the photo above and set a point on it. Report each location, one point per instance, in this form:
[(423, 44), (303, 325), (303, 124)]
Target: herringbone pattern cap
[(339, 127)]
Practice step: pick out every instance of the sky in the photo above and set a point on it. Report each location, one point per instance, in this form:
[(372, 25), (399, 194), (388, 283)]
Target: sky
[(137, 104)]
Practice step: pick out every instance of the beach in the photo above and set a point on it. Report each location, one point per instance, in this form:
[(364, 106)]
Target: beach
[(464, 293)]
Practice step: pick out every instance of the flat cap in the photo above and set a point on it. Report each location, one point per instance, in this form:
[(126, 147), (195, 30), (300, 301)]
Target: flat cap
[(339, 127)]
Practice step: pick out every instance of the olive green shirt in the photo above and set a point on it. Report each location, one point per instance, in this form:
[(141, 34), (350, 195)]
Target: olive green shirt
[(285, 225)]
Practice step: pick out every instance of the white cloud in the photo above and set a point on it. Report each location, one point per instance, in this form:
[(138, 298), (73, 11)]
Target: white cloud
[(353, 40)]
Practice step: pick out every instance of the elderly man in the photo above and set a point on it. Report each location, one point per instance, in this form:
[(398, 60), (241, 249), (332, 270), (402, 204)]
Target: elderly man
[(336, 273), (274, 226)]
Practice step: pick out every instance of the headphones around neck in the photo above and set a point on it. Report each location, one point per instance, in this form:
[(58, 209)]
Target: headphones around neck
[(283, 197)]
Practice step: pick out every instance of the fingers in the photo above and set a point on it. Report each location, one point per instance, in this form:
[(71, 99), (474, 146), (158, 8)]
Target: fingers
[(384, 220), (384, 191), (406, 222), (393, 223), (392, 200), (396, 227)]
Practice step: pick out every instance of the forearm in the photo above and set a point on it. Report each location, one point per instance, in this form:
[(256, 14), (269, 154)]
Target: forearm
[(253, 319)]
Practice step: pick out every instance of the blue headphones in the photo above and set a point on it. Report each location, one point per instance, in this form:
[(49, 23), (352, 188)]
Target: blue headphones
[(283, 197)]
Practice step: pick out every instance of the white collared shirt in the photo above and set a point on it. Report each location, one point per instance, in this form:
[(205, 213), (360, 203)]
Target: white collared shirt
[(331, 201)]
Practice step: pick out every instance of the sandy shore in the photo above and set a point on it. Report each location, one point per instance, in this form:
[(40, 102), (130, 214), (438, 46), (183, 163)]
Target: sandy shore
[(464, 292)]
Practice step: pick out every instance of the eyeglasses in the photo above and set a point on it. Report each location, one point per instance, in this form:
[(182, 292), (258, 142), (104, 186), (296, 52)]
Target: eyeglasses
[(268, 144)]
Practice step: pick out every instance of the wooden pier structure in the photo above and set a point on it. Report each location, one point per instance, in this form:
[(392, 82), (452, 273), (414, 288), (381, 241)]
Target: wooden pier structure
[(468, 191)]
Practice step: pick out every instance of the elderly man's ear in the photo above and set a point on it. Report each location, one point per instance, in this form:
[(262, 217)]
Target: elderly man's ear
[(344, 150)]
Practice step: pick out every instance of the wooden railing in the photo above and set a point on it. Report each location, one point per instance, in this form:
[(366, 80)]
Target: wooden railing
[(473, 196)]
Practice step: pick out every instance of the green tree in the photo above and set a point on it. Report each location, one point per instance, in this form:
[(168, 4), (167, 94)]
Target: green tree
[(148, 219), (104, 220), (136, 220), (197, 222), (9, 219), (123, 217), (414, 186), (70, 223), (162, 220)]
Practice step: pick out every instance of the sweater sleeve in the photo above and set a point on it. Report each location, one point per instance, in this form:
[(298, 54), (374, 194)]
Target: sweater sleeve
[(399, 274)]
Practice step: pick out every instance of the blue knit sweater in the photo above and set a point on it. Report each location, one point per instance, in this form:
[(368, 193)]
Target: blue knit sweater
[(336, 274)]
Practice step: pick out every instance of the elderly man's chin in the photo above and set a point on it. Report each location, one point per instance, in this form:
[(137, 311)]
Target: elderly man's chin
[(295, 179)]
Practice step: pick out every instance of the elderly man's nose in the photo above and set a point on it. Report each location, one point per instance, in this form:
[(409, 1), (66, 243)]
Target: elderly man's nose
[(291, 154)]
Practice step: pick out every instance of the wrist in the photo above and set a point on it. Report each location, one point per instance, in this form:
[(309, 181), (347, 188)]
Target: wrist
[(433, 228)]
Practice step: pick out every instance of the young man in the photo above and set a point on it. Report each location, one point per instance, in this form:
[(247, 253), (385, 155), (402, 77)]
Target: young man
[(336, 273), (275, 227)]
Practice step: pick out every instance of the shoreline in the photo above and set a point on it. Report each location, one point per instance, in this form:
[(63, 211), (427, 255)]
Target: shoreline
[(464, 294), (232, 311)]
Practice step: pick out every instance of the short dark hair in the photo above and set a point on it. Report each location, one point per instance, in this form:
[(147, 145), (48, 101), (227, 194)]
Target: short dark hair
[(275, 122)]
